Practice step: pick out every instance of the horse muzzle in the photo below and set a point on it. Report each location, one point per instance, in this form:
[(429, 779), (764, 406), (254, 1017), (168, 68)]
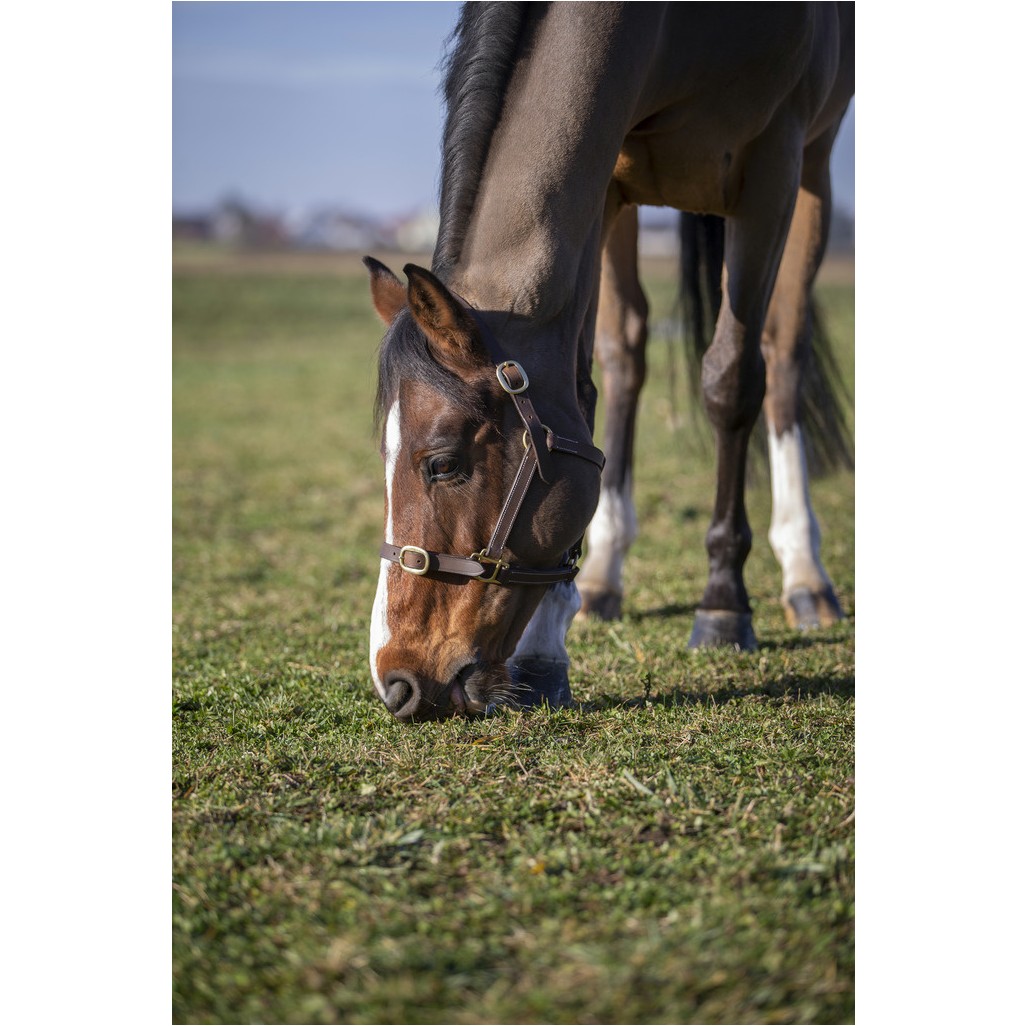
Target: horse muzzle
[(413, 699)]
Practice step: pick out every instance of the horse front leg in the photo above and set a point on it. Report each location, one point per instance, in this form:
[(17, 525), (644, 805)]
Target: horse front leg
[(734, 377), (733, 380), (540, 666), (808, 594), (621, 333)]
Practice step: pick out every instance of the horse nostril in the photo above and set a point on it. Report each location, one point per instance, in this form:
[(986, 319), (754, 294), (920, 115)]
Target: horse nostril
[(402, 694)]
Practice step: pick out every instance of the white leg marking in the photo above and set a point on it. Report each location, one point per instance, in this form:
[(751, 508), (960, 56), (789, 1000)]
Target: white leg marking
[(545, 636), (379, 632), (613, 529), (794, 531)]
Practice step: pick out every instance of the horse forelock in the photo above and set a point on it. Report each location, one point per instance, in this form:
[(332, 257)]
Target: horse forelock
[(403, 355), (478, 63)]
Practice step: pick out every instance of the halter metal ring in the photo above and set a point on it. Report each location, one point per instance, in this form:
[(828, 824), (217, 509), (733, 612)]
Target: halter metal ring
[(500, 374), (417, 572), (527, 435)]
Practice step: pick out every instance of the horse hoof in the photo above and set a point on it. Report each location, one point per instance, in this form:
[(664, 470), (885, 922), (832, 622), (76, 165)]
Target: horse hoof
[(806, 609), (715, 628), (600, 605), (539, 682)]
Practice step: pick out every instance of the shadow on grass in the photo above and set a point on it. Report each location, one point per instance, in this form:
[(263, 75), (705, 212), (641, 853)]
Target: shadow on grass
[(663, 612), (793, 688), (798, 642), (674, 609)]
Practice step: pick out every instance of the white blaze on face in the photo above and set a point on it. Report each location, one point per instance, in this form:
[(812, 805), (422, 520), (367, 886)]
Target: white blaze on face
[(379, 632), (794, 531)]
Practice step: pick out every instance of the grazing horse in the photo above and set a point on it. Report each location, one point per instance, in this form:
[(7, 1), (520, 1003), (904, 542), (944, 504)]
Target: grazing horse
[(561, 119)]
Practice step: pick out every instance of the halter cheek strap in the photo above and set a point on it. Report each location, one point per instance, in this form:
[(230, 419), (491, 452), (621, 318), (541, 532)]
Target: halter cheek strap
[(540, 442)]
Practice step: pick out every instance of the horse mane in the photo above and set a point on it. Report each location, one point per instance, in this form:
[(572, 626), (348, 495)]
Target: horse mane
[(403, 355), (479, 59)]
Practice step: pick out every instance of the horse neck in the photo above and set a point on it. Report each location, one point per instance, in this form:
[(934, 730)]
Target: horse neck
[(530, 253)]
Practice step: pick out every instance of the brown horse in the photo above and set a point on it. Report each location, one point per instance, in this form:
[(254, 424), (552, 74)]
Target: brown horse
[(562, 118)]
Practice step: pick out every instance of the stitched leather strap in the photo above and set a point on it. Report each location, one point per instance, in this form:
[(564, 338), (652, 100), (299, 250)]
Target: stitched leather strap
[(511, 507), (425, 563), (522, 481), (583, 449), (513, 378)]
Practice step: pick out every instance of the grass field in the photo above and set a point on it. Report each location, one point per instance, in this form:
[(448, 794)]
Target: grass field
[(678, 849)]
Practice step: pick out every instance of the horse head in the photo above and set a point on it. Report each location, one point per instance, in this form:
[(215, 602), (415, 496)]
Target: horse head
[(484, 505)]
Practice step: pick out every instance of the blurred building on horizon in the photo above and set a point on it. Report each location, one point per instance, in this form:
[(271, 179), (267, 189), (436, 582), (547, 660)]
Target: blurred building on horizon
[(237, 223)]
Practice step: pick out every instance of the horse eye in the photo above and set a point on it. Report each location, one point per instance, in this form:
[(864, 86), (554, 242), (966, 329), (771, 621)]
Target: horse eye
[(441, 468)]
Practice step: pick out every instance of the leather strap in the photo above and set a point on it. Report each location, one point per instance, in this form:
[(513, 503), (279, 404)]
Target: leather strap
[(522, 481), (583, 449), (424, 563), (536, 431), (511, 507)]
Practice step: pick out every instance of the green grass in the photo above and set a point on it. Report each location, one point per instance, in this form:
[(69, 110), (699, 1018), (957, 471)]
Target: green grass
[(678, 849)]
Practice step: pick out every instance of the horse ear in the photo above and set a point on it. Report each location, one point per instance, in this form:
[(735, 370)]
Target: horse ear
[(387, 292), (450, 329)]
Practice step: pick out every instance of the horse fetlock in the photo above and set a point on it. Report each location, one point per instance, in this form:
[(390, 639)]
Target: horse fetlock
[(539, 682), (598, 603), (808, 609)]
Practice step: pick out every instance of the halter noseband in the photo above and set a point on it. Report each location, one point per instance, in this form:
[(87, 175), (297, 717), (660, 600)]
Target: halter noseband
[(487, 565)]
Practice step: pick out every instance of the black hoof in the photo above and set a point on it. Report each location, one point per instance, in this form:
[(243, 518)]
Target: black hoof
[(600, 605), (723, 629), (539, 682), (807, 610)]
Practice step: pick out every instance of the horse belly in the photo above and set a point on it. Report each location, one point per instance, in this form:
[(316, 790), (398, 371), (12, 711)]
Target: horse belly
[(662, 172), (725, 75)]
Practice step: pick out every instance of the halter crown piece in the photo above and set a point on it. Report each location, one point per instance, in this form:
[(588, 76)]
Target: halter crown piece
[(540, 442)]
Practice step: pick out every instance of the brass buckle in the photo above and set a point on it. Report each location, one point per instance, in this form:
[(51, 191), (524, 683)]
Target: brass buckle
[(412, 569), (480, 557), (499, 373)]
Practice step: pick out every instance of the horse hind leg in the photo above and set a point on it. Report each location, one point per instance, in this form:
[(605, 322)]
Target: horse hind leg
[(621, 333), (808, 594)]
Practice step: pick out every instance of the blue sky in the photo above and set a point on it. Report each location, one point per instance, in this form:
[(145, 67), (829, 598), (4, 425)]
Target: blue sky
[(292, 105)]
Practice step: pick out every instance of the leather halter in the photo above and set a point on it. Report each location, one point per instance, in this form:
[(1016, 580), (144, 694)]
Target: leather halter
[(487, 565)]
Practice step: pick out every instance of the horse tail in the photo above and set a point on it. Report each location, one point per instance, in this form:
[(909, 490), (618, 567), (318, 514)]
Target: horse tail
[(822, 401), (823, 397), (701, 266)]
